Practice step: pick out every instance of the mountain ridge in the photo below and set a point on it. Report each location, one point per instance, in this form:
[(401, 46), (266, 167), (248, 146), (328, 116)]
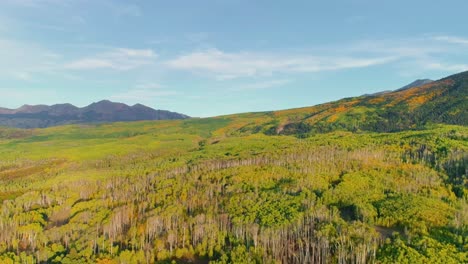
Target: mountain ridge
[(409, 107), (40, 116), (416, 83)]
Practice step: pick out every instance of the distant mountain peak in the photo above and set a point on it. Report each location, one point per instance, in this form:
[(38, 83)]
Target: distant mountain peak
[(416, 83), (105, 102), (32, 116), (106, 106), (32, 108)]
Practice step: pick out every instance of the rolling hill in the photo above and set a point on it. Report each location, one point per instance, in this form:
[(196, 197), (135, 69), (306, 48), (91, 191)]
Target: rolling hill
[(35, 116), (411, 107), (372, 179)]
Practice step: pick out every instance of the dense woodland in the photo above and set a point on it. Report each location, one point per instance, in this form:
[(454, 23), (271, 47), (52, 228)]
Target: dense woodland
[(251, 188)]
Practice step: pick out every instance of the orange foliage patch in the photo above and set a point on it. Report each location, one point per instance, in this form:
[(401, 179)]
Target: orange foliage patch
[(419, 100), (304, 110), (340, 109), (345, 106), (377, 100), (421, 93), (332, 118)]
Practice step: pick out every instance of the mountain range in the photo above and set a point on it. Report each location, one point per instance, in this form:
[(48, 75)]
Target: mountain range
[(39, 116), (410, 107)]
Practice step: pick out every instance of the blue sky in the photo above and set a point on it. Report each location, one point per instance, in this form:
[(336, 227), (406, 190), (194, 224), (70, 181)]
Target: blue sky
[(206, 58)]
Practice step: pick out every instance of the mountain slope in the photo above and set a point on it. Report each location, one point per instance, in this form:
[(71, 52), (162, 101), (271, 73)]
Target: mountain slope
[(32, 116), (415, 84), (442, 101)]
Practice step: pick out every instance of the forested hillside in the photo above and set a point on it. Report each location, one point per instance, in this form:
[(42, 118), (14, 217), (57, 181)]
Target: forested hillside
[(444, 101), (373, 179)]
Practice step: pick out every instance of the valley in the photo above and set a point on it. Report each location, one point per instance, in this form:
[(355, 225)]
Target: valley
[(371, 179)]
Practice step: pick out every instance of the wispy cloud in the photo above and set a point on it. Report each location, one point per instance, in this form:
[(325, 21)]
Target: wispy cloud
[(452, 39), (12, 95), (148, 86), (26, 76), (144, 92), (446, 67), (22, 60), (227, 65), (89, 64), (116, 59), (261, 85), (425, 52), (25, 61), (36, 3), (121, 9), (115, 8)]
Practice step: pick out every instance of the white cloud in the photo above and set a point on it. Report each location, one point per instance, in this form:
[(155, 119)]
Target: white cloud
[(144, 92), (121, 9), (141, 53), (446, 67), (26, 61), (148, 86), (416, 47), (35, 3), (87, 64), (247, 64), (261, 85), (427, 49), (116, 59), (26, 76), (452, 40), (22, 60), (115, 8)]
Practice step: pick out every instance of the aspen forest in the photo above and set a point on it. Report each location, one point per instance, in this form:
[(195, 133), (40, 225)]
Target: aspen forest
[(371, 179)]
